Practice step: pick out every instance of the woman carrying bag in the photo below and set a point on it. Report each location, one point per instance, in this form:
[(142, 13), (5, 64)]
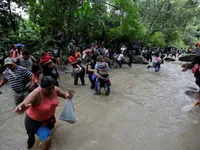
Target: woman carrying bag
[(40, 106)]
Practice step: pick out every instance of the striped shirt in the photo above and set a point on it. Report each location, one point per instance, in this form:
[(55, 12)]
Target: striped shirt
[(28, 64), (17, 78)]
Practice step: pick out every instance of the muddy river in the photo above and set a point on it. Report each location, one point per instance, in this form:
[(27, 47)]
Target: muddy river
[(143, 112)]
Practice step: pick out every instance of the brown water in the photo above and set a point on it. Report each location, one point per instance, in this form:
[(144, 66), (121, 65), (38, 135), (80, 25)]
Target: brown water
[(143, 112)]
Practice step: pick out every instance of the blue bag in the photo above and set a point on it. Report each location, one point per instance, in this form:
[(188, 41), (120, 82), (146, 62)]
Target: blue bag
[(68, 113)]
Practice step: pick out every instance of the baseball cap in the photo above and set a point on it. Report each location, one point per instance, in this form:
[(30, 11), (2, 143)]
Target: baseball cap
[(9, 61), (19, 45)]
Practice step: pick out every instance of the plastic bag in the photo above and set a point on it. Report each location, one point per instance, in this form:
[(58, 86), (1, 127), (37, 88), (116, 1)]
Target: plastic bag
[(68, 113)]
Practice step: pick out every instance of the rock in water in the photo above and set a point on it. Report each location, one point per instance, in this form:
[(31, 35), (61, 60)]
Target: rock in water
[(193, 88), (139, 60), (169, 59), (192, 93), (189, 65), (187, 57)]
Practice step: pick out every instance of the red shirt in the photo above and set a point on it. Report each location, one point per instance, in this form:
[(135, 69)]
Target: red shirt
[(45, 110), (72, 59)]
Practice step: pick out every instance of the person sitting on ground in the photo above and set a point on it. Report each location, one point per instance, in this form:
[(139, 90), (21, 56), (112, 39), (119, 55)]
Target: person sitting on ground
[(40, 106), (17, 77)]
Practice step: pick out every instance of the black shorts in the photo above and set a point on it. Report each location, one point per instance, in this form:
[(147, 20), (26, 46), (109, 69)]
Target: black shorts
[(32, 126)]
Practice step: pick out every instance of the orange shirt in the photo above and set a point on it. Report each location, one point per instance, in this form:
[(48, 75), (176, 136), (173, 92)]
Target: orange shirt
[(77, 54)]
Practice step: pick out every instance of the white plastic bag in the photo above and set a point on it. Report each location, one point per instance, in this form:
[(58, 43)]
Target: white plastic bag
[(68, 113)]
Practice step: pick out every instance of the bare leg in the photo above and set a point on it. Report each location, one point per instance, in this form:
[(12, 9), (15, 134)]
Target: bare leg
[(45, 145)]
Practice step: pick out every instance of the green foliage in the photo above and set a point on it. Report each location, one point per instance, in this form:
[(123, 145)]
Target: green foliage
[(180, 43), (158, 39), (130, 26), (29, 30), (168, 16), (160, 23)]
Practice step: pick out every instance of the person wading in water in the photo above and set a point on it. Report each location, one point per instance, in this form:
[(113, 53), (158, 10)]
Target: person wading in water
[(40, 106), (101, 71), (196, 72)]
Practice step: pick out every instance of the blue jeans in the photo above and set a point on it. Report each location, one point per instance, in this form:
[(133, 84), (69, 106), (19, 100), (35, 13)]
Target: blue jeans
[(101, 83), (156, 66)]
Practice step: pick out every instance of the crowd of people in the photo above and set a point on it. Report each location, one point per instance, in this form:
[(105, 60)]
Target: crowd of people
[(40, 99)]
